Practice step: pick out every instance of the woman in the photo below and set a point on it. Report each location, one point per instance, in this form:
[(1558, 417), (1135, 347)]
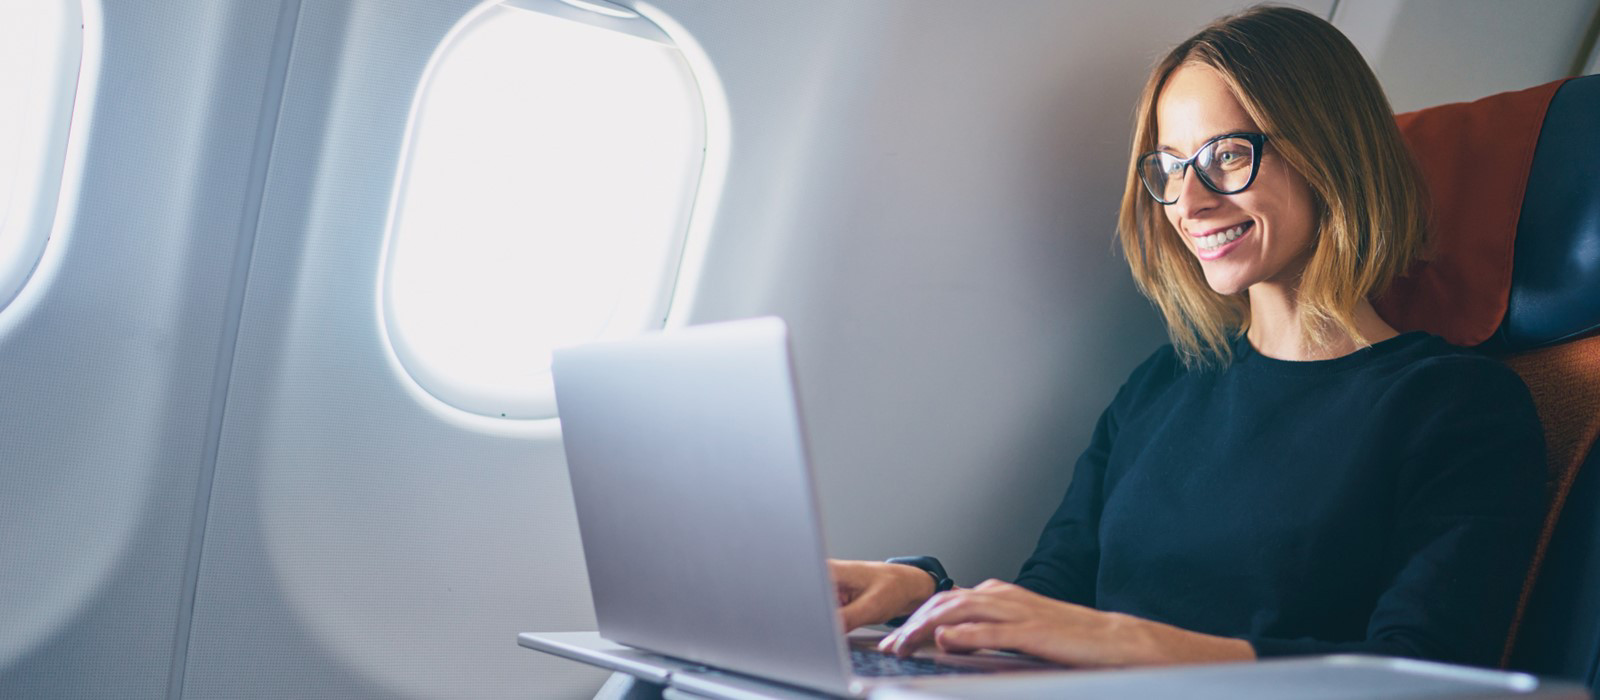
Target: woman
[(1291, 475)]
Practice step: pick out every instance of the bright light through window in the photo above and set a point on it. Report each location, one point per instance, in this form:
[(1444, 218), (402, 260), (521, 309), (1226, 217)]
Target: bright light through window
[(41, 46), (544, 201)]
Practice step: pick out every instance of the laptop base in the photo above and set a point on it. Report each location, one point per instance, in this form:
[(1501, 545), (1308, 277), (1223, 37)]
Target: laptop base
[(1308, 678)]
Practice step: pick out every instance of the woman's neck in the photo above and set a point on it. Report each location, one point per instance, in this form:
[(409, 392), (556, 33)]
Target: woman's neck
[(1275, 323)]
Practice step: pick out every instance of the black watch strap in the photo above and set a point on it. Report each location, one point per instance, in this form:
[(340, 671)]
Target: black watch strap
[(941, 582)]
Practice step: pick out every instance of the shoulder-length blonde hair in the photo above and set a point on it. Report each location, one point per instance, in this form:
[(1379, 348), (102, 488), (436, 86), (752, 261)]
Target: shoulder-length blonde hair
[(1307, 87)]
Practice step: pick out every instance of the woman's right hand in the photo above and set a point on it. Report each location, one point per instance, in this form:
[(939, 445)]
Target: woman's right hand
[(871, 592)]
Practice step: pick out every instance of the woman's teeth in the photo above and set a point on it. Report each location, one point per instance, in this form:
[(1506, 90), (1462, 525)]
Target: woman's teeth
[(1217, 239)]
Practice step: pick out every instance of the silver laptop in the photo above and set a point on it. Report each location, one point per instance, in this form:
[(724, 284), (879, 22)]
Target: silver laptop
[(697, 511)]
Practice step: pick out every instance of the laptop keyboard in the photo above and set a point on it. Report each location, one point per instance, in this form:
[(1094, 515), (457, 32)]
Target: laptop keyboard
[(872, 663)]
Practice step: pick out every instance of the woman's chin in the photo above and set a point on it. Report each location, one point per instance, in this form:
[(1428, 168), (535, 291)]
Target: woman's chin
[(1226, 287)]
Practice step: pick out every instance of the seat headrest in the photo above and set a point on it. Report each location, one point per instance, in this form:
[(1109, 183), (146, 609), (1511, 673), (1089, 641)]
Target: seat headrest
[(1555, 284), (1475, 159)]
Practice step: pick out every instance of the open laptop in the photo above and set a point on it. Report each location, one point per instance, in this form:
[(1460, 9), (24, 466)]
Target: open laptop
[(696, 506)]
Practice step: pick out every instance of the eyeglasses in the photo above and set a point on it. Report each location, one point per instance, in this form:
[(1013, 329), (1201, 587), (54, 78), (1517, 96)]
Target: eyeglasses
[(1226, 164)]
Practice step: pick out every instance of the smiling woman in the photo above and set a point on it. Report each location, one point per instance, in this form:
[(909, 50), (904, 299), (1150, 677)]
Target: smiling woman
[(1292, 475)]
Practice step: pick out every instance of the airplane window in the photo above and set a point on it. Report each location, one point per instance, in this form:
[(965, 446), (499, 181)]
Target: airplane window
[(41, 47), (554, 153)]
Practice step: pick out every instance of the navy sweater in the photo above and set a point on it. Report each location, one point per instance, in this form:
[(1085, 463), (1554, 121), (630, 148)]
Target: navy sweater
[(1383, 502)]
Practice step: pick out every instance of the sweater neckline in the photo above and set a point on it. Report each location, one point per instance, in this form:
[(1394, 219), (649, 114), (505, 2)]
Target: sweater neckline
[(1245, 353)]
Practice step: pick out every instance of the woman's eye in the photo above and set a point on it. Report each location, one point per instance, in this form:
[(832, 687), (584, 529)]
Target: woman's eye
[(1232, 158)]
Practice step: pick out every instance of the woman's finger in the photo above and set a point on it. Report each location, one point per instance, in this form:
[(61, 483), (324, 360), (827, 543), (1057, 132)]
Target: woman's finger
[(972, 636), (851, 615), (917, 619), (917, 616), (869, 607), (967, 606)]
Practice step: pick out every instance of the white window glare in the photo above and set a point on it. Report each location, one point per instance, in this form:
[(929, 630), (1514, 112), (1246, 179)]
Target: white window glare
[(41, 47), (550, 170)]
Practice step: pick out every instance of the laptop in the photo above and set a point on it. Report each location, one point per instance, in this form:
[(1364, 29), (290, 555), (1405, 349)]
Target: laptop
[(695, 503)]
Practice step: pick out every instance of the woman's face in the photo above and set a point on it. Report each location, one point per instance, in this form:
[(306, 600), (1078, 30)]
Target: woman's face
[(1275, 211)]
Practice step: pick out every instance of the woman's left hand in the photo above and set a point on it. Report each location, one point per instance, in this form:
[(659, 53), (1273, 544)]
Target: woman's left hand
[(1000, 615)]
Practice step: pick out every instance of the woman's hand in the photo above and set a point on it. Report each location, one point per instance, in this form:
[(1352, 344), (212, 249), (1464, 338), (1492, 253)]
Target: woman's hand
[(999, 615), (871, 592)]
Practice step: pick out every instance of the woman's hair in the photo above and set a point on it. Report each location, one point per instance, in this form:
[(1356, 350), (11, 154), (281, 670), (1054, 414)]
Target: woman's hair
[(1307, 87)]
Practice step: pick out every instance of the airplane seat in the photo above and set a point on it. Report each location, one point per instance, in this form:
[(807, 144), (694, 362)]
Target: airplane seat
[(1514, 181)]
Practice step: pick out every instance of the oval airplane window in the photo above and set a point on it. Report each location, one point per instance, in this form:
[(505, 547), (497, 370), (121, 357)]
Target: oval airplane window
[(551, 164), (41, 49)]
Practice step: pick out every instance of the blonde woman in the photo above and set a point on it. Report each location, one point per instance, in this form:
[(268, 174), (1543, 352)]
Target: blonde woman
[(1291, 475)]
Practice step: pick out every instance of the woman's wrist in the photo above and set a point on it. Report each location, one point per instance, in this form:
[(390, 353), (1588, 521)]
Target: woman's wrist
[(928, 580), (916, 583), (1161, 644)]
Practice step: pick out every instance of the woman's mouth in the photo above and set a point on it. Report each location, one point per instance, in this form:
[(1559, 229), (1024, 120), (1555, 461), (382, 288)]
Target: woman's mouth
[(1215, 245)]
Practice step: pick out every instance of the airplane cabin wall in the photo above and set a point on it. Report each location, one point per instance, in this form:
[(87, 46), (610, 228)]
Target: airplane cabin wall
[(112, 366), (225, 488), (1430, 52)]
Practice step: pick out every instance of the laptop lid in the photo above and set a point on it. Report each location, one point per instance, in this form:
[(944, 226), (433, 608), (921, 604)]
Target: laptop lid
[(695, 502)]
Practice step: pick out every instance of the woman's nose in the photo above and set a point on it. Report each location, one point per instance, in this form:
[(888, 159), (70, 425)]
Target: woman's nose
[(1194, 197)]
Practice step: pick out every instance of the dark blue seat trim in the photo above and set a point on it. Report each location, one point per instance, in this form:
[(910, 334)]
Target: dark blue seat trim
[(1555, 282)]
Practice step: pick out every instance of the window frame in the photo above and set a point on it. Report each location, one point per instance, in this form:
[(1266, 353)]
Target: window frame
[(684, 247), (41, 182)]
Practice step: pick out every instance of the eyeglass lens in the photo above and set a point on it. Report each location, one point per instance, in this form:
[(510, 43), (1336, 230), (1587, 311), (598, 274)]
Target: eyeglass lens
[(1226, 165)]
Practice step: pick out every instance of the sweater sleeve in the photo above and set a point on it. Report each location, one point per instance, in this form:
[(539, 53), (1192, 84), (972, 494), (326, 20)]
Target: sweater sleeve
[(1467, 507), (1066, 560)]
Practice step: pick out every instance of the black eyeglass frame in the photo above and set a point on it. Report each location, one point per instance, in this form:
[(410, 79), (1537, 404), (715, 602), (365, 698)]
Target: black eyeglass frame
[(1257, 142)]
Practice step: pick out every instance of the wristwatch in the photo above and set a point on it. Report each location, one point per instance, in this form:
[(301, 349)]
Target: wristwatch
[(941, 582)]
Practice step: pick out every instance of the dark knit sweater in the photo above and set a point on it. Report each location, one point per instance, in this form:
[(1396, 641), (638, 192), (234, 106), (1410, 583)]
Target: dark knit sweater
[(1383, 502)]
